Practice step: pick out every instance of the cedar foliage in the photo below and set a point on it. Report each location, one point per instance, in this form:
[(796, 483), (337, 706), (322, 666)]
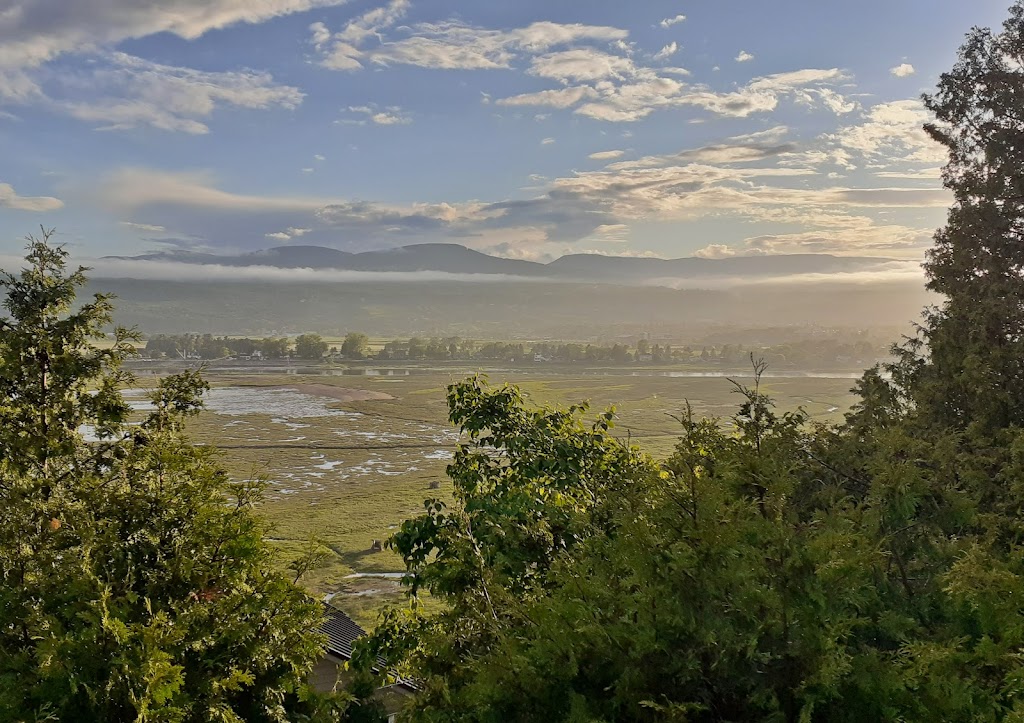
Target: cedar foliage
[(134, 581)]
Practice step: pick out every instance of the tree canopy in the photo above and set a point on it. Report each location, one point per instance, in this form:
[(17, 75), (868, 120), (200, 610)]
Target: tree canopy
[(135, 581), (310, 346)]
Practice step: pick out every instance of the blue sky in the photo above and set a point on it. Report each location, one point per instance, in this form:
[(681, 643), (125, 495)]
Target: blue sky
[(522, 128)]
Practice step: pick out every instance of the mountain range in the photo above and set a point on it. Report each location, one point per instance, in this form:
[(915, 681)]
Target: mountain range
[(457, 259)]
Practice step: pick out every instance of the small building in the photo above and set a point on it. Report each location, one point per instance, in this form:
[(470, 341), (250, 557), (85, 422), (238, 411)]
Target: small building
[(329, 672)]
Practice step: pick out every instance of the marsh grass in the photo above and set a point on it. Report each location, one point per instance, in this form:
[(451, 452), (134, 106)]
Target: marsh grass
[(349, 473)]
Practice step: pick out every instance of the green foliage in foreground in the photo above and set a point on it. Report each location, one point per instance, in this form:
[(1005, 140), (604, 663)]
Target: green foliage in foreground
[(771, 571), (586, 583), (767, 572), (134, 581)]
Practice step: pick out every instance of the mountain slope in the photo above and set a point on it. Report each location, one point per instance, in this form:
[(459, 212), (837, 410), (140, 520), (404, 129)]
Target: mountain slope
[(456, 259)]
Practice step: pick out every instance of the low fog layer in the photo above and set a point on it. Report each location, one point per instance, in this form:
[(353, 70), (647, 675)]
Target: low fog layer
[(881, 271), (505, 309), (577, 297)]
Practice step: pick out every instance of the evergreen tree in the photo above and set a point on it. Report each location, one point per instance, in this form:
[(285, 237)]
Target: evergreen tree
[(967, 365), (135, 581)]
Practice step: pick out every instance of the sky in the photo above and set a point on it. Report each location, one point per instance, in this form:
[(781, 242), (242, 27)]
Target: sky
[(520, 128)]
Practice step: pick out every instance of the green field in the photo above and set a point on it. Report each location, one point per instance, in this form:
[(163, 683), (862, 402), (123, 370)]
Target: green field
[(348, 470)]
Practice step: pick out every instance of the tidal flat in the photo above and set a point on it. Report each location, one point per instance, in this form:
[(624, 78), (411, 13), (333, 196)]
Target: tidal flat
[(347, 458)]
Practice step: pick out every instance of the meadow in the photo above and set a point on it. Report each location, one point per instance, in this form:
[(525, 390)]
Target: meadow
[(348, 457)]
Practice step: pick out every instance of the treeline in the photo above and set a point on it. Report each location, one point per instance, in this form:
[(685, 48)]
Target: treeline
[(207, 346), (355, 346)]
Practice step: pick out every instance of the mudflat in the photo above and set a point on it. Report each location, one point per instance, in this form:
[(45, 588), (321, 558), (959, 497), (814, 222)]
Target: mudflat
[(341, 394)]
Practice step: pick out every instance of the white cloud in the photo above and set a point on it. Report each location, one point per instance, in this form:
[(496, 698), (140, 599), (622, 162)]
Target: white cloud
[(798, 79), (198, 209), (669, 22), (903, 70), (744, 57), (10, 199), (623, 92), (133, 188), (827, 232), (117, 91), (288, 234), (923, 174), (751, 147), (319, 34), (610, 232), (547, 141), (868, 239), (582, 65), (344, 52), (120, 91), (33, 32), (447, 45), (667, 52), (634, 100), (769, 178), (390, 116), (715, 251), (144, 227), (832, 100), (892, 133), (453, 45), (319, 158), (560, 98), (762, 94)]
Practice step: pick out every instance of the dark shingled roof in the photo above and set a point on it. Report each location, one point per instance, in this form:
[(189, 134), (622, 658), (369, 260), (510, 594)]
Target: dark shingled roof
[(341, 632)]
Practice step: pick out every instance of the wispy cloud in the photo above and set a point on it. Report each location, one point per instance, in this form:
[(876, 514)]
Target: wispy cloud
[(390, 116), (669, 22), (744, 57), (10, 199), (144, 227), (767, 179), (890, 134), (36, 31), (447, 45), (667, 52), (120, 91)]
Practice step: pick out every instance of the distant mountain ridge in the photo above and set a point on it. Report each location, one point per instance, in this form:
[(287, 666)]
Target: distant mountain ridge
[(457, 259)]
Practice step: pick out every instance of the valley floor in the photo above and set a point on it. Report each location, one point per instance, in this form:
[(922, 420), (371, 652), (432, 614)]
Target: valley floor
[(348, 457)]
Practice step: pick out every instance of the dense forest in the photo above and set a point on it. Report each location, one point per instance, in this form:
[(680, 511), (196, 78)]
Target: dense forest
[(768, 570)]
